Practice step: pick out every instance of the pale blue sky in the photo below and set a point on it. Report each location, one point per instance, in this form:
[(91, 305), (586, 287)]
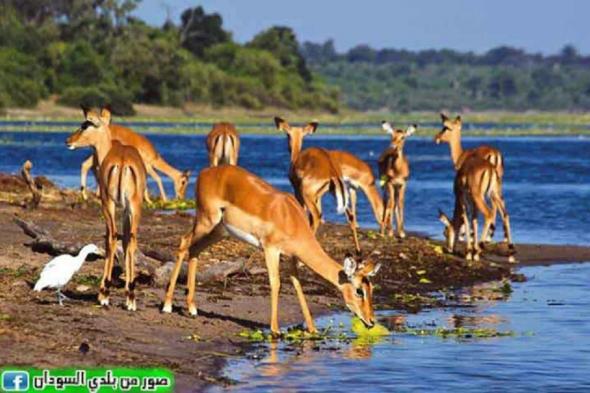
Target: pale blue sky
[(478, 25)]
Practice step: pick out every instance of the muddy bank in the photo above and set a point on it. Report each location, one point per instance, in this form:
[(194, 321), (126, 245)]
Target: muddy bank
[(34, 330)]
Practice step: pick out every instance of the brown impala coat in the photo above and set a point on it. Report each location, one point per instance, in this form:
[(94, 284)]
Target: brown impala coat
[(231, 199)]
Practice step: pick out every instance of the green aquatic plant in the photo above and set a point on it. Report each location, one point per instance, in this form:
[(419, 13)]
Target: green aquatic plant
[(361, 330), (173, 204), (460, 333)]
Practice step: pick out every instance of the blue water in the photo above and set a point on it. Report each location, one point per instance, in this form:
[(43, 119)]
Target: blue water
[(549, 352), (548, 196), (547, 180)]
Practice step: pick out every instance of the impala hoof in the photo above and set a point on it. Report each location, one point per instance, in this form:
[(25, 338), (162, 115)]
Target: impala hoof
[(468, 256), (511, 259), (402, 235), (167, 308), (131, 305), (192, 310), (104, 302), (476, 257)]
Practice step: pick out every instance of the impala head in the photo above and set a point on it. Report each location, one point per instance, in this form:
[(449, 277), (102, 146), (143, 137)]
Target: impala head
[(295, 135), (181, 183), (398, 136), (94, 127), (449, 231), (357, 290), (451, 129)]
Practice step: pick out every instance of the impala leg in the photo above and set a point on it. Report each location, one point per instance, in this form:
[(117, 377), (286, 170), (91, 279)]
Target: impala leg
[(385, 219), (315, 216), (108, 211), (130, 246), (476, 248), (390, 208), (401, 192), (351, 218), (152, 172), (499, 201), (272, 257), (300, 295), (205, 231), (86, 166), (468, 246), (195, 249)]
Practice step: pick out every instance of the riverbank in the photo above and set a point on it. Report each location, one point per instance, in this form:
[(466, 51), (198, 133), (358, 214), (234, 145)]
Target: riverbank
[(195, 119), (34, 330)]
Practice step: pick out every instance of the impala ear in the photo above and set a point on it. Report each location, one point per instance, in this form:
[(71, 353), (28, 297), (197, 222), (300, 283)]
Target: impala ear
[(443, 218), (443, 117), (281, 124), (349, 266), (458, 119), (386, 127), (311, 127), (105, 114), (85, 110), (411, 129)]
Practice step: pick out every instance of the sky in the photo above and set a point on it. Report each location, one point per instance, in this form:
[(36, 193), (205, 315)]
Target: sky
[(468, 25)]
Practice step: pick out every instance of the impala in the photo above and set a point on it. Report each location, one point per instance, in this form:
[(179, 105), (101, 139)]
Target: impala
[(358, 174), (476, 179), (223, 144), (151, 159), (122, 182), (394, 171), (451, 134), (231, 199), (312, 173)]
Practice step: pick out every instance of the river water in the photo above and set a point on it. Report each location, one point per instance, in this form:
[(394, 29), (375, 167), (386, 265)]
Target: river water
[(548, 196)]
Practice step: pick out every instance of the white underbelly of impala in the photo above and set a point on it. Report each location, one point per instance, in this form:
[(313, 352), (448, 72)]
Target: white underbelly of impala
[(242, 235)]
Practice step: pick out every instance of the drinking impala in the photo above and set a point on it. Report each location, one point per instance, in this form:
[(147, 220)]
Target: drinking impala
[(232, 200)]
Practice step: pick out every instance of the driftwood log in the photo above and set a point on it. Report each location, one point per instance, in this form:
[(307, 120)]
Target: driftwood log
[(156, 266), (43, 242), (36, 189)]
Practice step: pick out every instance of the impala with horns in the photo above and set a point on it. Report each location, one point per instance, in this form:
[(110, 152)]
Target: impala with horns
[(475, 180), (394, 171), (151, 158), (451, 134), (122, 182), (312, 173), (232, 200), (223, 144)]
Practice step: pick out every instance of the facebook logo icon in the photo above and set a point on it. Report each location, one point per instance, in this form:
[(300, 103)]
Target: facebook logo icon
[(15, 381)]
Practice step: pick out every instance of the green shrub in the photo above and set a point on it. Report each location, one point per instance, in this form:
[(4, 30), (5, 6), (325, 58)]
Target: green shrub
[(94, 96)]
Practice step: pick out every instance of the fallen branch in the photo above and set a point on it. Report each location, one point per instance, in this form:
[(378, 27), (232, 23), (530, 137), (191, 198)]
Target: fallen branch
[(34, 187), (43, 242)]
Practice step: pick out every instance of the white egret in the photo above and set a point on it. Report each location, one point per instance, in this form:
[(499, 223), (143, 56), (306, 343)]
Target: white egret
[(58, 272)]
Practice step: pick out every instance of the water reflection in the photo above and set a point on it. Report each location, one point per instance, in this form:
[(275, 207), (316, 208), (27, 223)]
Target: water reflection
[(534, 358)]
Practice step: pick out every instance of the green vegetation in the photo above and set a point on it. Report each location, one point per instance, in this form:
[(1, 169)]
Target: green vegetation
[(173, 204), (96, 52), (502, 78), (359, 328)]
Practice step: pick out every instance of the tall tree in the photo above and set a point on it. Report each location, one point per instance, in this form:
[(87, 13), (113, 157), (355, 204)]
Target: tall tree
[(282, 42), (200, 31)]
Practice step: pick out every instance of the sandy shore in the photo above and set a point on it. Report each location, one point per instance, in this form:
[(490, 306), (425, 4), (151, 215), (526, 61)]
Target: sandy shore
[(34, 330)]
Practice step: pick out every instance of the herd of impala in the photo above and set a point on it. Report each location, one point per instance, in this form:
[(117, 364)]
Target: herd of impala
[(230, 199)]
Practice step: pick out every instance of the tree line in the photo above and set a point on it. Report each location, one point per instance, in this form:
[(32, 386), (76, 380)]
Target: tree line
[(96, 51), (502, 78)]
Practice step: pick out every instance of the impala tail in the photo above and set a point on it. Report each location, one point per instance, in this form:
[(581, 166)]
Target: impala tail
[(340, 190), (224, 147)]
